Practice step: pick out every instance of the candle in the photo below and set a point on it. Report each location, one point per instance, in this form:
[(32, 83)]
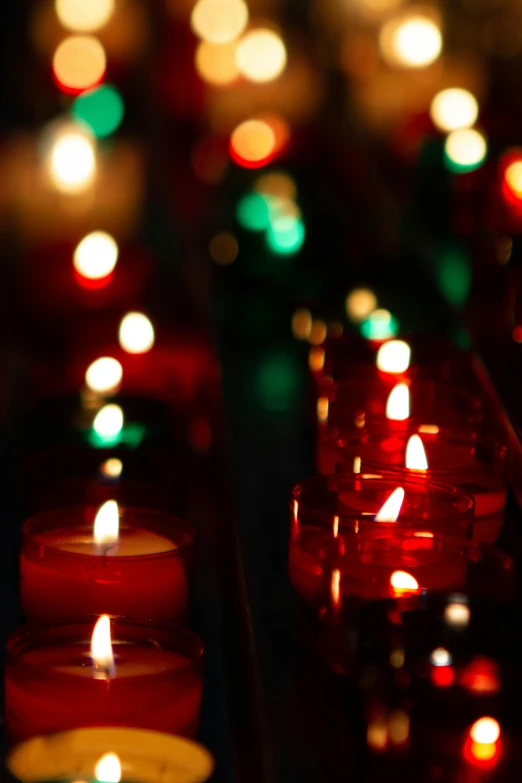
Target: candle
[(461, 458), (145, 756), (131, 674), (343, 510), (361, 402), (83, 561)]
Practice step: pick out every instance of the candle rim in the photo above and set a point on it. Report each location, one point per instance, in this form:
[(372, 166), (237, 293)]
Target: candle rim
[(167, 525)]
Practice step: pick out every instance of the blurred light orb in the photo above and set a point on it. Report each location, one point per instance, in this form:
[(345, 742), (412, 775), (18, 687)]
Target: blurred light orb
[(112, 467), (72, 161), (465, 150), (252, 143), (394, 356), (261, 55), (410, 42), (380, 325), (104, 375), (453, 109), (359, 304), (79, 63), (276, 184), (285, 235), (84, 16), (485, 731), (513, 178), (101, 109), (373, 10), (136, 333), (302, 324), (96, 255), (219, 21), (108, 421), (223, 248), (216, 63)]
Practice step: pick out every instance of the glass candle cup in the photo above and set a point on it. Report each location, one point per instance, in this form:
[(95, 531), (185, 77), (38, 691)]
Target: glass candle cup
[(144, 756), (144, 572), (52, 684), (458, 457), (360, 402), (340, 510), (441, 686)]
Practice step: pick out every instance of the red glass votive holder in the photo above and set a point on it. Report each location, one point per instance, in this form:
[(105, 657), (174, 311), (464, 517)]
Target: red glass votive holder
[(458, 457), (146, 574), (361, 402), (340, 511), (51, 684), (440, 682)]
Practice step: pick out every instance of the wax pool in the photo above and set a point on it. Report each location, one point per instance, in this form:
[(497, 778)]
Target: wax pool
[(50, 684), (65, 574), (459, 458)]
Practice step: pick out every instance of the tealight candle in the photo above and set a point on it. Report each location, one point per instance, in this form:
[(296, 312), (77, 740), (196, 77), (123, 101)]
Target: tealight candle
[(362, 402), (460, 458), (145, 756), (83, 561), (132, 674), (346, 510)]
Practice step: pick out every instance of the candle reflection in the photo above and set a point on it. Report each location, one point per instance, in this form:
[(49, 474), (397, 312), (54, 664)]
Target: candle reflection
[(108, 768)]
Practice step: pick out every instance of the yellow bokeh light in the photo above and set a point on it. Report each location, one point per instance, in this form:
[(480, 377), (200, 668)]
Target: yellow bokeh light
[(393, 356), (136, 333), (466, 147), (485, 731), (79, 62), (412, 41), (96, 255), (261, 55), (84, 16), (108, 768), (72, 161), (104, 375), (457, 614), (318, 332), (252, 142), (216, 63), (302, 324), (223, 248), (513, 177), (398, 727), (112, 467), (316, 358), (108, 421), (453, 109), (219, 21), (360, 303), (277, 184), (373, 10)]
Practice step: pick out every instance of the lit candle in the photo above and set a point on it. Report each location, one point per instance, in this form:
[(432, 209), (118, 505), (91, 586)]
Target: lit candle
[(77, 562), (463, 459), (130, 673), (85, 754), (349, 512)]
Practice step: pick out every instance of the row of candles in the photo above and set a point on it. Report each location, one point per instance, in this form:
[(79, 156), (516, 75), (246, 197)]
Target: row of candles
[(104, 682), (399, 524)]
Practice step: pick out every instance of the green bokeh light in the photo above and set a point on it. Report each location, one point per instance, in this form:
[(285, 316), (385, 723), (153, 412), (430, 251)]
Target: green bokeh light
[(285, 234), (380, 325), (277, 382), (101, 109), (453, 273), (253, 212), (130, 435)]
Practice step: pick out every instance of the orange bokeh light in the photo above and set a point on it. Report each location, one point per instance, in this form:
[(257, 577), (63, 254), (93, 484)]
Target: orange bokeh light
[(79, 63), (252, 144)]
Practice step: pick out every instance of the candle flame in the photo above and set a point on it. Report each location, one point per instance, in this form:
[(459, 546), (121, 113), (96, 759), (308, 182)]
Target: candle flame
[(415, 454), (393, 356), (108, 768), (392, 507), (107, 524), (101, 649), (398, 405), (356, 464), (335, 588), (403, 583), (335, 526)]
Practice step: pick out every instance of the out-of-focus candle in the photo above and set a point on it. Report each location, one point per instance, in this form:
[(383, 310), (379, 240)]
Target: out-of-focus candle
[(132, 562), (147, 756), (145, 676)]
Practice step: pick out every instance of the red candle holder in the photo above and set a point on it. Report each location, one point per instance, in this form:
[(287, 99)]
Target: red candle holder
[(145, 574), (51, 684), (339, 511), (361, 402), (461, 458)]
